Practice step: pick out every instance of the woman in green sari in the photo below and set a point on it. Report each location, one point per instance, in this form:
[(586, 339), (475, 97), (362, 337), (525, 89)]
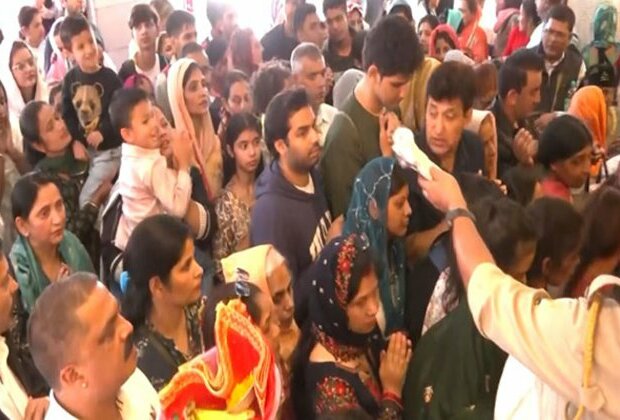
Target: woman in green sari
[(44, 252), (49, 148)]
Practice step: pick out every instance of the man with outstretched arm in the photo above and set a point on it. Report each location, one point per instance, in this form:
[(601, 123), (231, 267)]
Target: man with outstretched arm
[(547, 336)]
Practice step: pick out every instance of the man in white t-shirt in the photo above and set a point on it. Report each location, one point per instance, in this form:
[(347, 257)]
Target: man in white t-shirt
[(143, 22), (84, 349)]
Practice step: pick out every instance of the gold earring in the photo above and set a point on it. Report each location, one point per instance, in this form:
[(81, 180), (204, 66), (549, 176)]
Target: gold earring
[(84, 385)]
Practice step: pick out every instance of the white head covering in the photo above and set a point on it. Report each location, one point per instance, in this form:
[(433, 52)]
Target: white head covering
[(14, 95), (490, 145), (207, 148), (345, 85), (458, 55)]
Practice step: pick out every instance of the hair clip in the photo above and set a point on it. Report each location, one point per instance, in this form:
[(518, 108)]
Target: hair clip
[(242, 289), (124, 281)]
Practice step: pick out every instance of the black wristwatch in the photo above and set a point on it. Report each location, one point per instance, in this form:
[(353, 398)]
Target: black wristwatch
[(456, 213)]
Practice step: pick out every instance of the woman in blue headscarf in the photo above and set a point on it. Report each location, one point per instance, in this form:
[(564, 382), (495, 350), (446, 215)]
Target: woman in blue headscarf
[(380, 209)]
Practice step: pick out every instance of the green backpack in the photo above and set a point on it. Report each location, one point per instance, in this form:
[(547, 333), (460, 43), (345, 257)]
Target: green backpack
[(454, 372)]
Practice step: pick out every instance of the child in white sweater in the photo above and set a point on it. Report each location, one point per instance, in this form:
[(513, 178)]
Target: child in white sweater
[(146, 183)]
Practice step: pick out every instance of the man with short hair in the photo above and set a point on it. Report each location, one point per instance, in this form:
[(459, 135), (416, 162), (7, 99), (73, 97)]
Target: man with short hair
[(84, 348), (362, 131), (343, 49), (307, 25), (451, 90), (542, 8), (520, 79), (564, 66), (280, 41), (450, 94), (143, 23), (291, 212), (223, 19), (308, 70), (181, 28)]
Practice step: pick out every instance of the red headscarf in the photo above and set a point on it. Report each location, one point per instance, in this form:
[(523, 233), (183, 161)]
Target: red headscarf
[(448, 30)]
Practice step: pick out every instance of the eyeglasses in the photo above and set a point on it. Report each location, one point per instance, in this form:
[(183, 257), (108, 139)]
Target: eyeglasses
[(28, 64), (555, 34)]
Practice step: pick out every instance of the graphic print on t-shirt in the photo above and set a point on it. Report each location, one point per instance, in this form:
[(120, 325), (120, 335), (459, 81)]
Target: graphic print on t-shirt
[(87, 103)]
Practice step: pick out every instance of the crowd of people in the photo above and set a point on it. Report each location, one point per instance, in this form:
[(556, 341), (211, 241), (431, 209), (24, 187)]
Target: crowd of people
[(227, 229)]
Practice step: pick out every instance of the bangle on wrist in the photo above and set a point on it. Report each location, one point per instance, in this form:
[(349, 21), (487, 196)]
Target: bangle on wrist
[(387, 395)]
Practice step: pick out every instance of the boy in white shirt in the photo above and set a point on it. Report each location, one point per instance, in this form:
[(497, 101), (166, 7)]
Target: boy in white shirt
[(146, 183)]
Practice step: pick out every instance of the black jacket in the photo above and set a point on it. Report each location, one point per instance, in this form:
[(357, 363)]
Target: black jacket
[(556, 87)]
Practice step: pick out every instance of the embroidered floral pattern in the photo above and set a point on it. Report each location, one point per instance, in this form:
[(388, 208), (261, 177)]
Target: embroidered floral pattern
[(346, 257), (341, 352), (334, 394)]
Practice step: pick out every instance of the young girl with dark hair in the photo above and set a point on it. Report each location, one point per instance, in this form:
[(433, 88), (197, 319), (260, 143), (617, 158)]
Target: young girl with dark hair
[(242, 163)]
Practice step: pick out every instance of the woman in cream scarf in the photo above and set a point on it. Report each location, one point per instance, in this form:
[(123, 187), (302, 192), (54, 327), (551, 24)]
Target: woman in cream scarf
[(189, 102), (19, 73)]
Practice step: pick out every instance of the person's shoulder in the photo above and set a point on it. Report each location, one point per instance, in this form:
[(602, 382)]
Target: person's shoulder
[(107, 73), (273, 33)]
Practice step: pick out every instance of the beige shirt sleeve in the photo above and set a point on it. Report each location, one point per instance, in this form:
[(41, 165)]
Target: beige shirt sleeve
[(545, 335)]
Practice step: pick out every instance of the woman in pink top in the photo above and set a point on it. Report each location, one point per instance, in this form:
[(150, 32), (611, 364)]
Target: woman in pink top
[(565, 151)]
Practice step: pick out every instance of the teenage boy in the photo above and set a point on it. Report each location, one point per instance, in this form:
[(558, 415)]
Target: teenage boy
[(181, 28), (362, 131), (143, 23), (86, 94)]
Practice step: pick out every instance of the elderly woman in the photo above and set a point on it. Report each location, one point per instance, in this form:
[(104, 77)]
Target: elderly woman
[(267, 268)]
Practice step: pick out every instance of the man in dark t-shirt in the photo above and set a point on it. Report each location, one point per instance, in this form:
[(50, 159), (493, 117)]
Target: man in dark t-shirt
[(343, 49), (280, 41)]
